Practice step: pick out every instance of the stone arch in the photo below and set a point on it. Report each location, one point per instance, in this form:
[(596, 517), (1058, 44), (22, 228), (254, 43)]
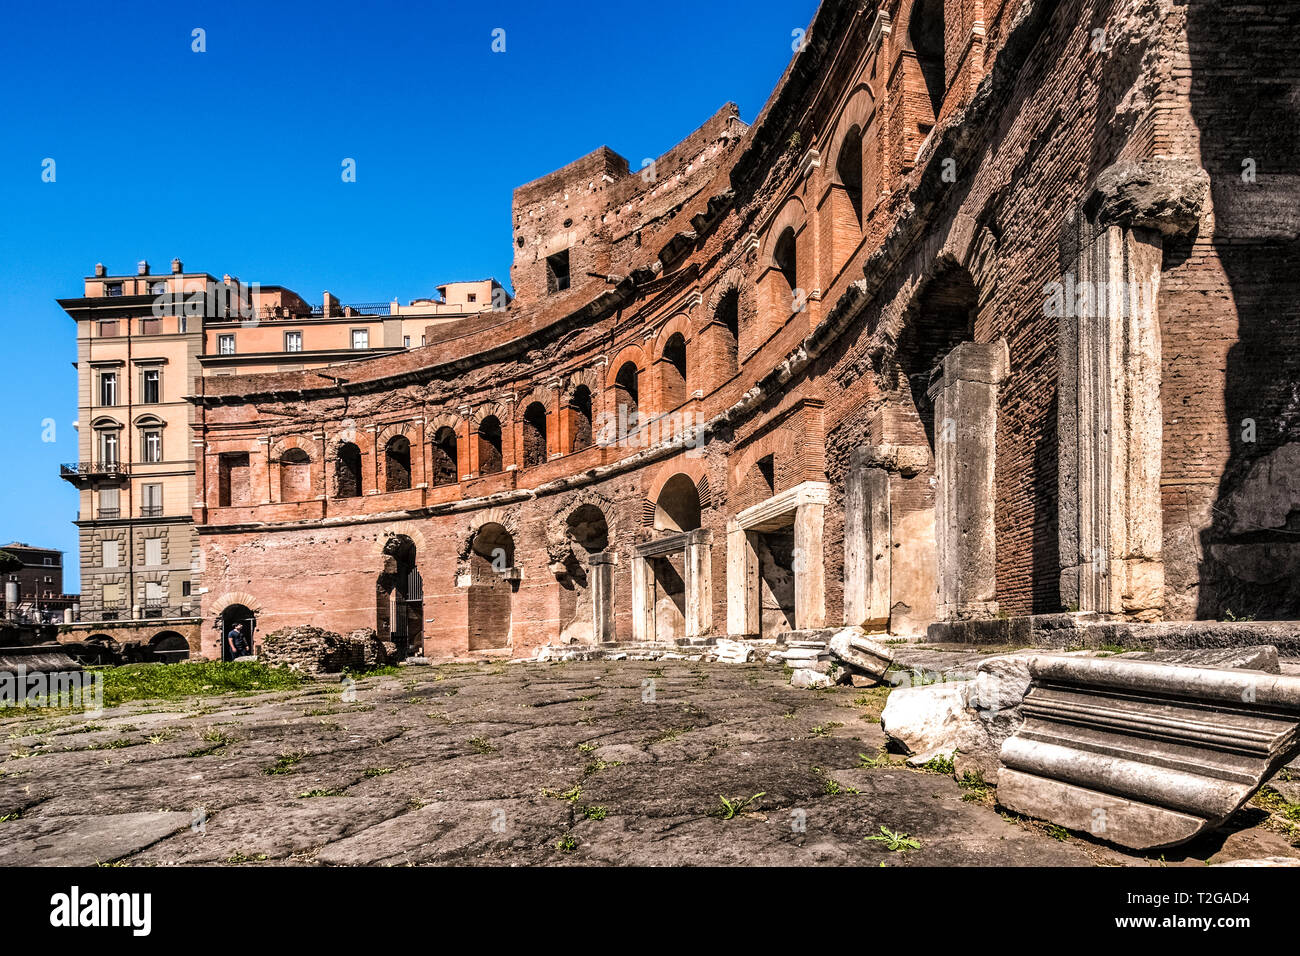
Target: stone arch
[(231, 598), (693, 469), (399, 593), (492, 576), (533, 433), (672, 362), (169, 646), (792, 217), (444, 455), (397, 463)]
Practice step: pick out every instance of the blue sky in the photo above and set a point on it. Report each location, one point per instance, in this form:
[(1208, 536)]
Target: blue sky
[(231, 158)]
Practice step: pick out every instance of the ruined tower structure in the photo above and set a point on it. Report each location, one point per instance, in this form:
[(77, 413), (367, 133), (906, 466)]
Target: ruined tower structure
[(993, 312)]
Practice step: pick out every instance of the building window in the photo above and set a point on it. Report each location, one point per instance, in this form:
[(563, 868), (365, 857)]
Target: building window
[(48, 561), (112, 595), (293, 341), (182, 325), (108, 503), (185, 589), (108, 328), (158, 288), (361, 338), (113, 289), (557, 272), (422, 338), (151, 326), (151, 500), (153, 552), (108, 448), (108, 554), (226, 344), (406, 341), (473, 297), (153, 593), (151, 390), (151, 450), (108, 388)]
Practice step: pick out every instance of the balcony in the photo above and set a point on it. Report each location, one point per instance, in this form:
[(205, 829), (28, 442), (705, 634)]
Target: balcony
[(78, 472), (106, 514), (151, 511)]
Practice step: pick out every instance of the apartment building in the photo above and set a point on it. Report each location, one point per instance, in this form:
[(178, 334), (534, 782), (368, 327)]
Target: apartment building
[(142, 340)]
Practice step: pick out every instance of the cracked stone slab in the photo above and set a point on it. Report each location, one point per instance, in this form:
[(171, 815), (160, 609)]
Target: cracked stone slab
[(84, 840)]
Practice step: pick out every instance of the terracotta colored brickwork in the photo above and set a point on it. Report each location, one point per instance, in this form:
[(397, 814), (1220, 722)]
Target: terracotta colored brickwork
[(779, 295)]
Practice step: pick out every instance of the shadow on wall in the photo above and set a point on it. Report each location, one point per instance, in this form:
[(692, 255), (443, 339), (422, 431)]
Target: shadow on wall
[(1245, 99)]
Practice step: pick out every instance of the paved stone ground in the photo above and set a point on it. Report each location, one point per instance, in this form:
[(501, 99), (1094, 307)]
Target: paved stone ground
[(512, 764)]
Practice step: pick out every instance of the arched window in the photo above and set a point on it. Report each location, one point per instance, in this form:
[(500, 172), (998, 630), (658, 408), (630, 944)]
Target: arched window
[(535, 435), (580, 412), (678, 506), (347, 471), (625, 394), (489, 446), (728, 320), (295, 475), (848, 167), (785, 258), (397, 464), (445, 468), (672, 372)]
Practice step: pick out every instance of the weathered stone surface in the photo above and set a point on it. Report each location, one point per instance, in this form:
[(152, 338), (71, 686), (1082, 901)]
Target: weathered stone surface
[(855, 650), (809, 677), (932, 721), (1163, 194), (423, 765), (1262, 658), (84, 840), (1142, 754)]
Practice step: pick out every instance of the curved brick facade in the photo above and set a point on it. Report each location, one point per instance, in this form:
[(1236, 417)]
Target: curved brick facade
[(832, 367)]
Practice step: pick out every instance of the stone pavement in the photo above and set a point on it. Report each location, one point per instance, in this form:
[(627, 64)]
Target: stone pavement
[(575, 763)]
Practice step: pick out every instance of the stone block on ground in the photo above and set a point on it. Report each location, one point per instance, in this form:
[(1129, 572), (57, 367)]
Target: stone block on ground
[(807, 677), (1142, 754), (860, 653)]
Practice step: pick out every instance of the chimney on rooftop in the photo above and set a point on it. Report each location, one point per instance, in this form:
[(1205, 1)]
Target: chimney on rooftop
[(177, 267), (100, 271), (142, 268)]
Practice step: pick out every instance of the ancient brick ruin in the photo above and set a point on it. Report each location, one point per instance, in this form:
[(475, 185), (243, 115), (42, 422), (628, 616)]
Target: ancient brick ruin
[(991, 313)]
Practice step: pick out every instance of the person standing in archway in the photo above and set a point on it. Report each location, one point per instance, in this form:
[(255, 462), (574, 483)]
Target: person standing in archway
[(237, 642)]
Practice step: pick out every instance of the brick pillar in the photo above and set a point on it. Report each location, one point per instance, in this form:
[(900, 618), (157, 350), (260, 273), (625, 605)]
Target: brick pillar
[(699, 583), (866, 543), (965, 430), (602, 595)]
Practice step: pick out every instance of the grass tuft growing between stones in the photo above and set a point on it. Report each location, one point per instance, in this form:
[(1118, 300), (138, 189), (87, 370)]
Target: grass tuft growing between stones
[(192, 679)]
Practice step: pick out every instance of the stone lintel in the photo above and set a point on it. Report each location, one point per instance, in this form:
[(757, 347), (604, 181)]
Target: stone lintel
[(778, 511)]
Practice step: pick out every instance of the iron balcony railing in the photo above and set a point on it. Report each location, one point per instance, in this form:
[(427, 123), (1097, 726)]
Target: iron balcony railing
[(151, 511), (105, 513), (85, 468)]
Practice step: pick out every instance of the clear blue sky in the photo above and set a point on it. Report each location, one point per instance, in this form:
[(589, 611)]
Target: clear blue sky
[(231, 158)]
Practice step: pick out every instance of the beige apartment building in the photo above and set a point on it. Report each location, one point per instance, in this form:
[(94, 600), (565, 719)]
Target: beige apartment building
[(142, 340)]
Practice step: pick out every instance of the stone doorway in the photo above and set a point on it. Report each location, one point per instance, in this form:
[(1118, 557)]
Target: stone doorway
[(237, 614), (775, 564), (399, 607), (491, 584)]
